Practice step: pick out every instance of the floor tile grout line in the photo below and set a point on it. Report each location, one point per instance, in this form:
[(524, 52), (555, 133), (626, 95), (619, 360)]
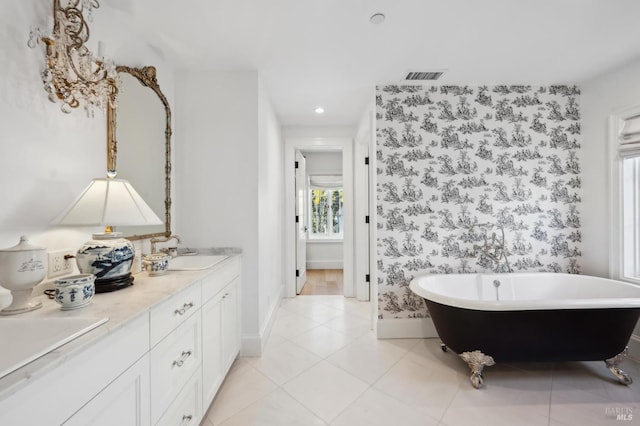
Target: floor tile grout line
[(304, 405), (249, 404), (404, 402), (369, 386)]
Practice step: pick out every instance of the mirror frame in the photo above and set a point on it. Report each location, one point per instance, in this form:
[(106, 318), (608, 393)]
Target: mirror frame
[(147, 77)]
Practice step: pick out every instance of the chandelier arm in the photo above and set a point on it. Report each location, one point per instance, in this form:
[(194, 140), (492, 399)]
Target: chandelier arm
[(72, 74)]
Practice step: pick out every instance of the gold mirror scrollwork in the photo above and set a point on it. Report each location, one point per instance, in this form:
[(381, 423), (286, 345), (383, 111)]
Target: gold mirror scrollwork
[(147, 77)]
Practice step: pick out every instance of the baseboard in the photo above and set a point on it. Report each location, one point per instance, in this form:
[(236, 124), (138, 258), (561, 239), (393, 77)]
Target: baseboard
[(253, 344), (405, 328), (325, 264), (634, 348), (250, 345)]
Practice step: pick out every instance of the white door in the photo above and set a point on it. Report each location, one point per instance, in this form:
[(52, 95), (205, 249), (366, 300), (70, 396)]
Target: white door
[(301, 222)]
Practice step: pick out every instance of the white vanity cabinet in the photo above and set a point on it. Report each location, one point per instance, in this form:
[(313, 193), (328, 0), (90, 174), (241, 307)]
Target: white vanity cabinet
[(220, 327), (158, 361)]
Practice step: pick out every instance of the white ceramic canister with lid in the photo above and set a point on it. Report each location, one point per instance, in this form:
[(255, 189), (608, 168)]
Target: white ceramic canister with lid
[(22, 267)]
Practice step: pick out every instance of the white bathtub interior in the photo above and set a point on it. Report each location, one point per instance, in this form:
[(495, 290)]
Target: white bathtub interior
[(527, 290)]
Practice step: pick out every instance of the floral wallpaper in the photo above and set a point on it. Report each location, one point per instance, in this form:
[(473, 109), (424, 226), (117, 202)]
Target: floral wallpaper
[(456, 165)]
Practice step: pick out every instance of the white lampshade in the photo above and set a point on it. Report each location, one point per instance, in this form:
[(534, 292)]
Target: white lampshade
[(108, 202)]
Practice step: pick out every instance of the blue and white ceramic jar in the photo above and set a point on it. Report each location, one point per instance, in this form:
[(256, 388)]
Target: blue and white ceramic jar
[(106, 256)]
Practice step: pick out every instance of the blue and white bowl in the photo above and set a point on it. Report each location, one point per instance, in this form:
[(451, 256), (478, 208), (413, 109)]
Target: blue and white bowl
[(156, 264), (75, 291)]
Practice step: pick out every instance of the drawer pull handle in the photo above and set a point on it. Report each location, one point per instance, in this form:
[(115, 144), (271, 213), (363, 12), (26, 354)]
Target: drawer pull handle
[(186, 419), (184, 309), (183, 358)]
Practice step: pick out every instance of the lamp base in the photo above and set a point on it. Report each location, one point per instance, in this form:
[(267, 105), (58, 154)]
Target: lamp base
[(109, 257), (106, 285)]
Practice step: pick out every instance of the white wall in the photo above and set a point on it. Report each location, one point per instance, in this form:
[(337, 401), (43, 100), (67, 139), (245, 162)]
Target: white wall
[(271, 212), (325, 255), (600, 97), (323, 163), (48, 157), (229, 183)]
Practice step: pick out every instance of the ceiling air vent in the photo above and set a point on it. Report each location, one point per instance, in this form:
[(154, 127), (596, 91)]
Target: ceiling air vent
[(422, 75)]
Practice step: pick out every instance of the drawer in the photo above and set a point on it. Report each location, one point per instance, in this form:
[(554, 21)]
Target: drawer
[(186, 410), (168, 315), (172, 363), (218, 279)]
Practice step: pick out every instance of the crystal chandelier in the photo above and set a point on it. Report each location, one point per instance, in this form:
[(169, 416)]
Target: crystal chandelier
[(72, 74)]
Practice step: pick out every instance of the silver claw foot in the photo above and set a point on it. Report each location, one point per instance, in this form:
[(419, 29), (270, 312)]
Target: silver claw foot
[(477, 361), (613, 363)]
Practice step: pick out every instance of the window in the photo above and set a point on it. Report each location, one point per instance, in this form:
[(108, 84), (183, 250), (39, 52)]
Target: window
[(326, 211), (631, 217), (626, 190)]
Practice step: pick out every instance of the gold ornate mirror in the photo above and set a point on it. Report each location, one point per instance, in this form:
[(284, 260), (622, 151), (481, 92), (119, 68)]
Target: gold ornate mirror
[(139, 143)]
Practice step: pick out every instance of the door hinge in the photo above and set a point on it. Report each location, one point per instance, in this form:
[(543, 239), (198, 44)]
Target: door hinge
[(367, 278), (297, 273), (297, 218), (366, 161), (366, 219), (296, 165)]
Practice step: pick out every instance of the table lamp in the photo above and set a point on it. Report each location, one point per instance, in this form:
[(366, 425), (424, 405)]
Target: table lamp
[(108, 202)]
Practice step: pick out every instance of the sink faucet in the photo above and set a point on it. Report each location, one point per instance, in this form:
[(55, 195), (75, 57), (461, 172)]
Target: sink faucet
[(156, 240)]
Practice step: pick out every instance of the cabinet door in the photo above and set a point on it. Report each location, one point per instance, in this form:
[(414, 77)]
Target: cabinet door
[(230, 324), (212, 373), (125, 402)]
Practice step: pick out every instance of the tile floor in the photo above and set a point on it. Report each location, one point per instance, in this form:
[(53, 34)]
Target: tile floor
[(323, 366)]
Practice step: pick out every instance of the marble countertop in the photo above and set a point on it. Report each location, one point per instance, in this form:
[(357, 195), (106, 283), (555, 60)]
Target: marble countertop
[(121, 307)]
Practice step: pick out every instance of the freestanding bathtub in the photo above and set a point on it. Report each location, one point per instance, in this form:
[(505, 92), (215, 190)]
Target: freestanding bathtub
[(520, 317)]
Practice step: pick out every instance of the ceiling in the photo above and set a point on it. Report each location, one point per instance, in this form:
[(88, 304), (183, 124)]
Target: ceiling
[(326, 52)]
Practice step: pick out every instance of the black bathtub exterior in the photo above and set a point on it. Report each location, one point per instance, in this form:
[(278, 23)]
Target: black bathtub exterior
[(536, 335)]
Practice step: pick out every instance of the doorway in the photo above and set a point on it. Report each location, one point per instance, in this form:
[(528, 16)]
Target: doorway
[(323, 221), (345, 146)]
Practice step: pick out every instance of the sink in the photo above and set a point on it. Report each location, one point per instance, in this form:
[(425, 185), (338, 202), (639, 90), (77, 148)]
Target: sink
[(194, 263), (24, 340)]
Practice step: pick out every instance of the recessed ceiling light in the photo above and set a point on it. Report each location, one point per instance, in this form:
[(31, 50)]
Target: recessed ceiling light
[(319, 110), (377, 18)]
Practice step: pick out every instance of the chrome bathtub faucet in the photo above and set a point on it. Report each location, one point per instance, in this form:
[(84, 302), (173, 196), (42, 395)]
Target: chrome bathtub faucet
[(494, 250)]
